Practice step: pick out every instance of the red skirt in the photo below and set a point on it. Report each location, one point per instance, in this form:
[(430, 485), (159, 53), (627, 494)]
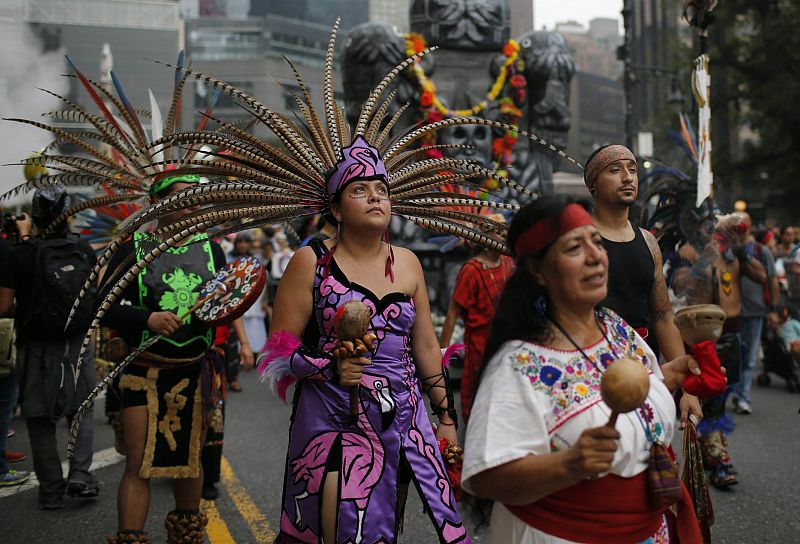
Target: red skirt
[(609, 509)]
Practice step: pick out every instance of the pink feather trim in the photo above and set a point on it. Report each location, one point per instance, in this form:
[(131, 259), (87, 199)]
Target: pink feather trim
[(274, 365), (451, 351)]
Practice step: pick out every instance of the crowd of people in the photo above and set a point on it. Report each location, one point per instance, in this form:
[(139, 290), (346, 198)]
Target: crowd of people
[(560, 293), (585, 287)]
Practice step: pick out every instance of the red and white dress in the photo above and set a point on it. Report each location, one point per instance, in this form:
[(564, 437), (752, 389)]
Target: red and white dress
[(477, 290)]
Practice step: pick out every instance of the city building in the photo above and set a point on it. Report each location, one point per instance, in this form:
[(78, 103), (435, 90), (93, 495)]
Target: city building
[(521, 14), (390, 11), (654, 37), (597, 105), (322, 12), (595, 48), (249, 54), (36, 34), (136, 31), (597, 99)]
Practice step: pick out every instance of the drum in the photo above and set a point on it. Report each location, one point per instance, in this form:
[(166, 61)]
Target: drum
[(229, 294)]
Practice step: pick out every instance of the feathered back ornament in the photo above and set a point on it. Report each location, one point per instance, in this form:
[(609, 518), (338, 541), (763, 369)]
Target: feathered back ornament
[(126, 173), (320, 155)]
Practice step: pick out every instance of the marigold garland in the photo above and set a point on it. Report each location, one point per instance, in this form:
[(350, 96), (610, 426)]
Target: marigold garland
[(507, 90)]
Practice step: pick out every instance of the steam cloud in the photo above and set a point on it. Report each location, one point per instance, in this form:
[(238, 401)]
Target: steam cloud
[(30, 58)]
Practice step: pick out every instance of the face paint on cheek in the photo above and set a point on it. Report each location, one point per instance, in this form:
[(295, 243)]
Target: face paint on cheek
[(354, 197)]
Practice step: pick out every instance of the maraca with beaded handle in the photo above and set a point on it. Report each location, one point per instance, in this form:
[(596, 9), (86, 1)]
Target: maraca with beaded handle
[(351, 323)]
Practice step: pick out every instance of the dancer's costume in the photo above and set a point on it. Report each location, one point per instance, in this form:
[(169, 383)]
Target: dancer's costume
[(676, 221), (175, 377), (391, 441), (477, 290), (168, 377)]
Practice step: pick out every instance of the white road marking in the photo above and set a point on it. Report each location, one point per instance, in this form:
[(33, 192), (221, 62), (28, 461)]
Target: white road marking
[(100, 459)]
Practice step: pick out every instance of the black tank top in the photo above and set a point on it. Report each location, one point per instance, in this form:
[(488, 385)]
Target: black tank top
[(630, 279)]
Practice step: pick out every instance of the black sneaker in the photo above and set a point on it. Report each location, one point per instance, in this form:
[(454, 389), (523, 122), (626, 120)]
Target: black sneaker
[(51, 504), (210, 492), (82, 490)]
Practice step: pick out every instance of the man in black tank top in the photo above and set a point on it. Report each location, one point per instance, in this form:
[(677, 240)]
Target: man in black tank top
[(636, 286)]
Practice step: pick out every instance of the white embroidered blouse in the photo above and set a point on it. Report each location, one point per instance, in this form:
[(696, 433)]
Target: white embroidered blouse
[(534, 400)]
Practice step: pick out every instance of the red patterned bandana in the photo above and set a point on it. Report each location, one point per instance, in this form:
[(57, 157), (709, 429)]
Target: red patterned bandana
[(603, 158), (548, 230)]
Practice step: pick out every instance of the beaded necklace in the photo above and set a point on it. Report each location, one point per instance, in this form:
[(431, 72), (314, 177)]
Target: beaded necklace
[(663, 484), (651, 436)]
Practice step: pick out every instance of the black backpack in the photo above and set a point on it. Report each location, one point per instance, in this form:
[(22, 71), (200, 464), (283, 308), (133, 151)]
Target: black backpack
[(62, 266)]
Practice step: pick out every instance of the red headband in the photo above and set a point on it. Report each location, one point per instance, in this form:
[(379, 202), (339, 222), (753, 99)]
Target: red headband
[(548, 230)]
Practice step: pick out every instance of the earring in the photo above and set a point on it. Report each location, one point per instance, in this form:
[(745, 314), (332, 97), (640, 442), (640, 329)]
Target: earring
[(540, 305), (389, 271), (338, 231)]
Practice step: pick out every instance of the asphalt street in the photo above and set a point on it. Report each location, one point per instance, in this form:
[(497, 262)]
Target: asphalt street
[(763, 508)]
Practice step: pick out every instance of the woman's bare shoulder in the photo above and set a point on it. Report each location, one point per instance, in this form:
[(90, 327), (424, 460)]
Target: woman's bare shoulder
[(406, 257), (303, 262)]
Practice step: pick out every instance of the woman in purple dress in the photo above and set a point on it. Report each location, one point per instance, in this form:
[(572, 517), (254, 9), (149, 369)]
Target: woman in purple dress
[(347, 476)]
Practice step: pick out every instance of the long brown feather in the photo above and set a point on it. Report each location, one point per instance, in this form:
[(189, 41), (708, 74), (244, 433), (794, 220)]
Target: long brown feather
[(397, 162), (469, 218), (456, 229), (267, 149), (374, 96), (416, 134), (327, 93), (388, 128), (104, 200), (343, 127), (229, 168), (112, 134), (239, 148), (377, 119), (327, 147), (67, 137), (138, 134)]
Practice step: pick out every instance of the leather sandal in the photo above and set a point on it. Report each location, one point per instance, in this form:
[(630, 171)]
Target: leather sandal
[(722, 476)]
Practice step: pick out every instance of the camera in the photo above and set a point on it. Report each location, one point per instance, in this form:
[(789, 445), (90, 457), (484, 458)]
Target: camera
[(9, 229)]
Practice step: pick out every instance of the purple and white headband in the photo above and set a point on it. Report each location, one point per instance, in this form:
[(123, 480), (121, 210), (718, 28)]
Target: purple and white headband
[(359, 161)]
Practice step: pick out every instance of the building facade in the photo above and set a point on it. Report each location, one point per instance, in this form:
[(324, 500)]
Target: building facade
[(390, 11), (597, 105), (595, 48), (655, 36), (136, 31), (249, 54)]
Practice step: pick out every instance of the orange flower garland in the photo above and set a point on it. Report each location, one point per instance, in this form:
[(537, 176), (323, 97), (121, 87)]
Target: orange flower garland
[(507, 90)]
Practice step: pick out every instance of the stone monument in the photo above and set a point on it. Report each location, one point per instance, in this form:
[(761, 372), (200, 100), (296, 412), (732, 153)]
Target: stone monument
[(476, 71)]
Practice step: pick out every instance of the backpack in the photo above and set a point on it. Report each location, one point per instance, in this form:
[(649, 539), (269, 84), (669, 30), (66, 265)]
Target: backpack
[(767, 294), (62, 266)]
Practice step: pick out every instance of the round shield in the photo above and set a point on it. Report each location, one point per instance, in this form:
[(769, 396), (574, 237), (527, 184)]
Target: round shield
[(232, 291)]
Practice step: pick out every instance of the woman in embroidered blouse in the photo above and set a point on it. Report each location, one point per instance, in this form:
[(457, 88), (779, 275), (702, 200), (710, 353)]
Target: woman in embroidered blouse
[(537, 443)]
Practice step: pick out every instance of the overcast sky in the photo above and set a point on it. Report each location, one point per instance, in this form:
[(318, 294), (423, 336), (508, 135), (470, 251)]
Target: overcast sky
[(549, 12)]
